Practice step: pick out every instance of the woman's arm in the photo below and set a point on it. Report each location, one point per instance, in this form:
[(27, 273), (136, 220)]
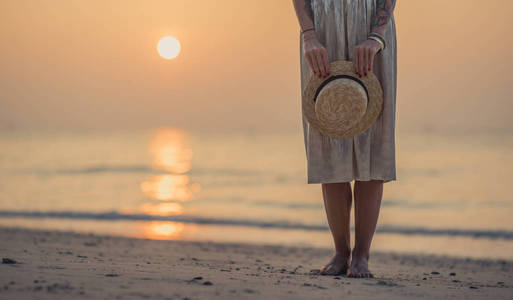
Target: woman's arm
[(384, 11), (304, 13), (365, 52), (313, 50)]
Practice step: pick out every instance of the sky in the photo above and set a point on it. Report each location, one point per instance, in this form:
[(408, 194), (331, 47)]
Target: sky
[(73, 64)]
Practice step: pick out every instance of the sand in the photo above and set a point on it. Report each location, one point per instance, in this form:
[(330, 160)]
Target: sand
[(65, 265)]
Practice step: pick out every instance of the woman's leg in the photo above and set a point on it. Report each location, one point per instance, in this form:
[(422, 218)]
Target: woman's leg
[(337, 202), (367, 198)]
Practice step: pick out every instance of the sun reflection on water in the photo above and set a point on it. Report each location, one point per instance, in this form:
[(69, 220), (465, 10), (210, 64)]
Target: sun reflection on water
[(159, 230), (161, 209), (171, 154), (170, 150), (169, 187)]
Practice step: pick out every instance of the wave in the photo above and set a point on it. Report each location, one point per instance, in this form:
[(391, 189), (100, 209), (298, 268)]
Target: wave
[(114, 216), (141, 168), (90, 170)]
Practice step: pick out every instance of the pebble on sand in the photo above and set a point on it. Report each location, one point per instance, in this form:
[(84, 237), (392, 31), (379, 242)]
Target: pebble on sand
[(8, 261)]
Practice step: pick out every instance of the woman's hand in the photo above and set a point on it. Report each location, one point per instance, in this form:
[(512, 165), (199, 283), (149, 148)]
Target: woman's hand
[(316, 54), (363, 59)]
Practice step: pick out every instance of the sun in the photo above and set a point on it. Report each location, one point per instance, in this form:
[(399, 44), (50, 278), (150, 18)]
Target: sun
[(168, 47)]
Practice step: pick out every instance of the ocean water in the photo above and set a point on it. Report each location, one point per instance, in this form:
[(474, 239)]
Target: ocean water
[(452, 197)]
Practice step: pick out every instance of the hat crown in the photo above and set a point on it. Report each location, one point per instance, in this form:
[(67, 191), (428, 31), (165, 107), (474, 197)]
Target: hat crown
[(341, 103)]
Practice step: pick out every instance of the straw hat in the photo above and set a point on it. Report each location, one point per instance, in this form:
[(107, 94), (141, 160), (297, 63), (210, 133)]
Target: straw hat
[(342, 105)]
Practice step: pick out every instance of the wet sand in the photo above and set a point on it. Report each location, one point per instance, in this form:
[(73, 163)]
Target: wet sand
[(62, 265)]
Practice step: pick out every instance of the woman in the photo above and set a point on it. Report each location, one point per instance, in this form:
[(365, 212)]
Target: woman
[(339, 30)]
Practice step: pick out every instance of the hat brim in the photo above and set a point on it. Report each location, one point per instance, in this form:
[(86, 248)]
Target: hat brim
[(374, 105)]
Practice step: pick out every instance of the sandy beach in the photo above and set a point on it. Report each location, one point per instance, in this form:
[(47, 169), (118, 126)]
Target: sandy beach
[(51, 264)]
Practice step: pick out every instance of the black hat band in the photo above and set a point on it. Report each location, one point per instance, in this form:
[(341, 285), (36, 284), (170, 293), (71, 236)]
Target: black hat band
[(333, 77)]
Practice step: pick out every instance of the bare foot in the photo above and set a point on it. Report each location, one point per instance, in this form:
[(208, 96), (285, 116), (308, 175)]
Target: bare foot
[(337, 266), (359, 268)]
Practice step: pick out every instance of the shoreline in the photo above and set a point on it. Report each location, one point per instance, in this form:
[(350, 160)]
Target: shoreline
[(453, 246), (54, 264)]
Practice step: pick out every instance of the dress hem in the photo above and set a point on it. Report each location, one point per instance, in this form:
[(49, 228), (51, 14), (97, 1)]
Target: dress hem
[(314, 181)]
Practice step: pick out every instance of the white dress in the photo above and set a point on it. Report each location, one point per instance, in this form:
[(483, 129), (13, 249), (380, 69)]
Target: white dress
[(341, 25)]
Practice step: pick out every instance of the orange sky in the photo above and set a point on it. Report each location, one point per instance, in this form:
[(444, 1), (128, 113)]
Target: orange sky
[(93, 64)]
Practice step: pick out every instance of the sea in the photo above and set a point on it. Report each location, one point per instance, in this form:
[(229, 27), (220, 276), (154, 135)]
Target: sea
[(453, 194)]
